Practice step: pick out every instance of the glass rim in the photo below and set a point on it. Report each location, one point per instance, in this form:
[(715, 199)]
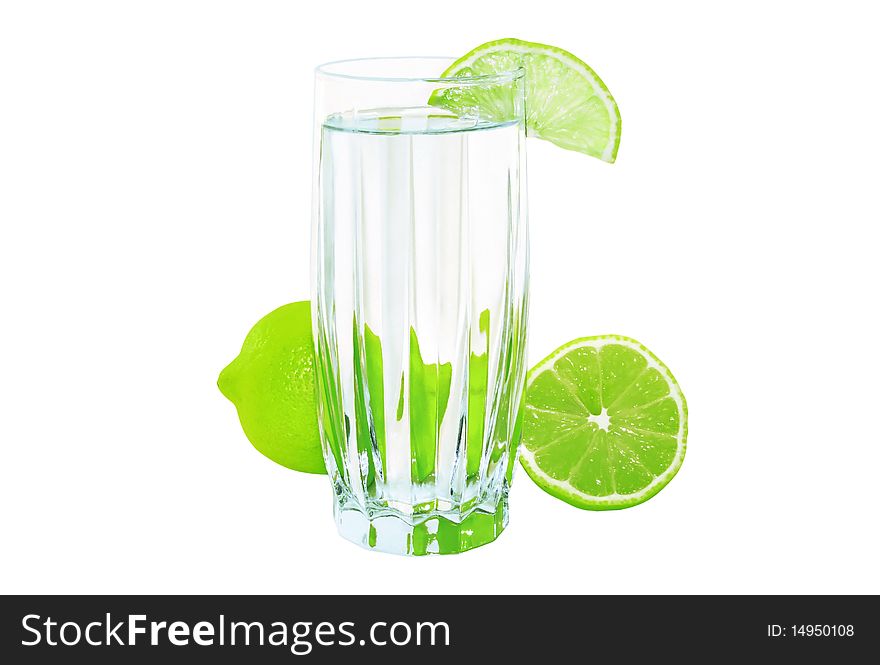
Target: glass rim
[(479, 79)]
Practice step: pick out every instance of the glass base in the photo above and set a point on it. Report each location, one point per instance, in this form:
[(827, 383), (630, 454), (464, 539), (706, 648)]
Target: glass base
[(424, 534)]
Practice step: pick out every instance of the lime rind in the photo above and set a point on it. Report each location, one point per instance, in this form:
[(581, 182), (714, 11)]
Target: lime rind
[(551, 103), (563, 489)]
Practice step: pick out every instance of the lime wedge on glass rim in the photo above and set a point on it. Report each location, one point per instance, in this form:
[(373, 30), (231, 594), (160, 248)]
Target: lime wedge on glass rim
[(566, 101), (605, 424)]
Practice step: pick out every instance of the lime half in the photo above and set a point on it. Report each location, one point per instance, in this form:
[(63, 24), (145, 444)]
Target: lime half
[(605, 423), (566, 101)]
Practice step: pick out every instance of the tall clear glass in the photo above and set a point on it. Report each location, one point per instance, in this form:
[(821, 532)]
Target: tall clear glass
[(419, 299)]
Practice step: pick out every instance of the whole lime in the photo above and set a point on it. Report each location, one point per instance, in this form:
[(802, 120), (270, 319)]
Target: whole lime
[(272, 384)]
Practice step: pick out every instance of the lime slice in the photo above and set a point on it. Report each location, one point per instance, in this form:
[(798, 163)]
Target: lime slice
[(566, 101), (605, 423)]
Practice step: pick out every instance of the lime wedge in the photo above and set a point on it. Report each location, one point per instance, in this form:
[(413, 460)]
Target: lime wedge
[(566, 101), (605, 423)]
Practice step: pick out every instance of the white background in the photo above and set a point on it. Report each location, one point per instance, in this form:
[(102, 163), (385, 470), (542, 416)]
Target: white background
[(155, 168)]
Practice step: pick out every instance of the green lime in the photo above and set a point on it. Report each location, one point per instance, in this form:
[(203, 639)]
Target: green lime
[(272, 384), (566, 101), (605, 423)]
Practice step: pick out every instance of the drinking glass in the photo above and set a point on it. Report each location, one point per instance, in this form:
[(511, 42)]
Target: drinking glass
[(419, 299)]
